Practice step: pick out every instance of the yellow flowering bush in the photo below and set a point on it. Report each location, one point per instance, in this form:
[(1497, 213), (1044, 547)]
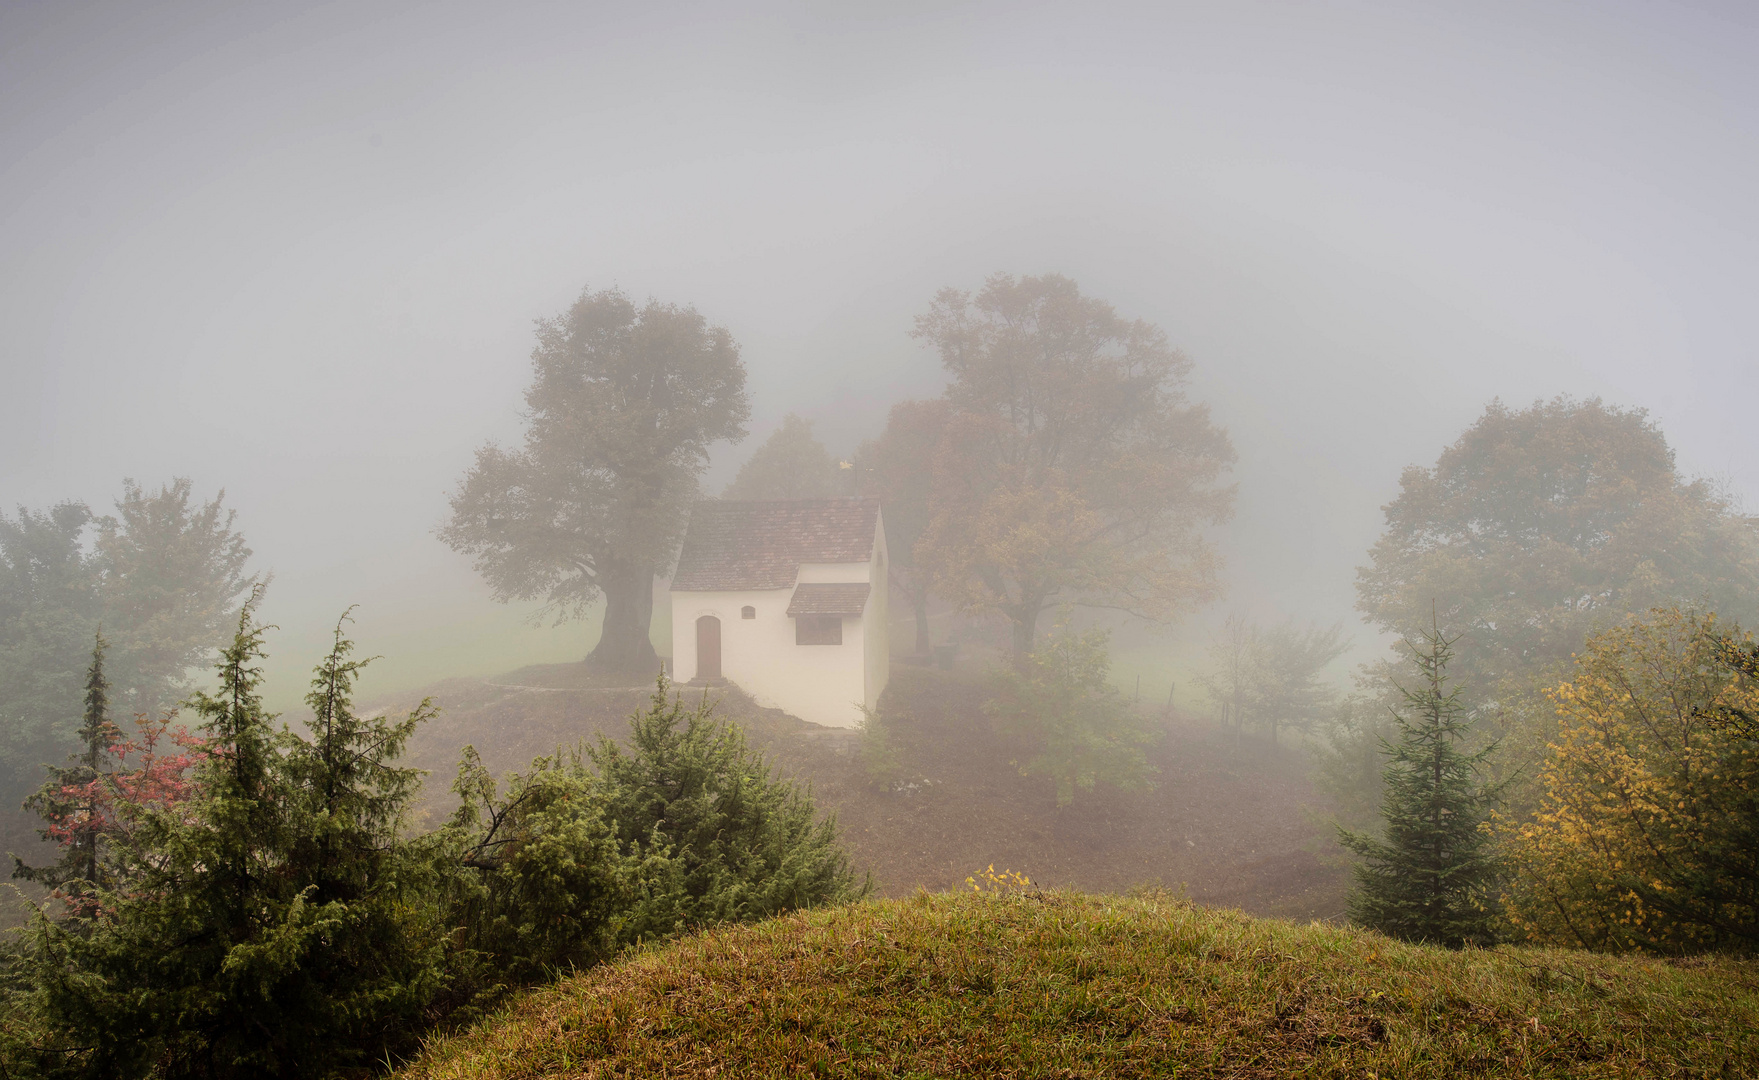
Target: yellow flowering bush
[(989, 882), (1646, 835)]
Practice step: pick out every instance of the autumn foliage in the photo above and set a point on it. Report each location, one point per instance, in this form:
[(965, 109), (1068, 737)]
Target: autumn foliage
[(1073, 468), (1647, 832), (94, 806)]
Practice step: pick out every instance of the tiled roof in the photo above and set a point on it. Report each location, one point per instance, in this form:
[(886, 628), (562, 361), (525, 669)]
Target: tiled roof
[(829, 598), (760, 545)]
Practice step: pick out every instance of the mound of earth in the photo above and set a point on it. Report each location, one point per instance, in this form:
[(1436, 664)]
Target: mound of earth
[(1065, 985), (1232, 824)]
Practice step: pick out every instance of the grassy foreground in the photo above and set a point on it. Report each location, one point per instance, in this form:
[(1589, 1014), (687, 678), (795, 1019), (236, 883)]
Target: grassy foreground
[(1070, 985)]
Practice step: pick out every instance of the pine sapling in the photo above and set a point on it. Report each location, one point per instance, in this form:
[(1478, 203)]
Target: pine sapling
[(1426, 879)]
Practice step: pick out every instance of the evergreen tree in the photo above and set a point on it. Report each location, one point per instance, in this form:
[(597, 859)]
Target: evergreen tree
[(354, 799), (71, 805), (277, 922), (1425, 881), (743, 844), (791, 464), (546, 885), (182, 975), (279, 928), (381, 963)]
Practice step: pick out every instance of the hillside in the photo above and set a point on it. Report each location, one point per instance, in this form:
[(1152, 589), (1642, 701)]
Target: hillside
[(1074, 985), (1232, 824)]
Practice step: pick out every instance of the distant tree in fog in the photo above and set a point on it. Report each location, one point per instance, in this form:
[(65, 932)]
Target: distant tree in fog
[(1073, 725), (49, 610), (1272, 679), (1073, 468), (1227, 678), (164, 575), (171, 575), (1537, 525), (791, 464), (898, 468), (623, 405)]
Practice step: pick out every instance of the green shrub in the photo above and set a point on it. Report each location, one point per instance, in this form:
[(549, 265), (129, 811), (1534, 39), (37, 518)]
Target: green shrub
[(882, 759), (737, 842), (1076, 727), (273, 924), (280, 921)]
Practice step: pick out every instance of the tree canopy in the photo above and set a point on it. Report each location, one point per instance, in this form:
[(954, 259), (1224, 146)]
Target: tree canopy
[(791, 464), (164, 576), (1272, 679), (171, 577), (1073, 468), (1072, 723), (898, 468), (1538, 525), (1646, 835), (623, 405), (48, 614)]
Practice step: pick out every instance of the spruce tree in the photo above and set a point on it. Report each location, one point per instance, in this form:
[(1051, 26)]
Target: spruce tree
[(282, 926), (353, 797), (70, 802), (1425, 880), (363, 990)]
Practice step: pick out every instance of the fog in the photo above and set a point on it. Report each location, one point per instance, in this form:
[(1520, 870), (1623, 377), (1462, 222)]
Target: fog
[(296, 253)]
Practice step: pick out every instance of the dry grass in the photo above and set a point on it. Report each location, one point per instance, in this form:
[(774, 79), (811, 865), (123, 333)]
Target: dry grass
[(1070, 985)]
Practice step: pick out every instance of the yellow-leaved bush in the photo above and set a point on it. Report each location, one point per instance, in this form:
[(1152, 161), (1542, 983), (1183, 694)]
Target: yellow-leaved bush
[(1646, 835)]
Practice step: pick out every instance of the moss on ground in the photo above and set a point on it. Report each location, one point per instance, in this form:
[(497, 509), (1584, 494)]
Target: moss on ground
[(1072, 985)]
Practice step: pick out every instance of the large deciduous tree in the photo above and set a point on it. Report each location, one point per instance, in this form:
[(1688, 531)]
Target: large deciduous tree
[(171, 576), (49, 611), (164, 575), (1538, 525), (1073, 469), (623, 404), (898, 467)]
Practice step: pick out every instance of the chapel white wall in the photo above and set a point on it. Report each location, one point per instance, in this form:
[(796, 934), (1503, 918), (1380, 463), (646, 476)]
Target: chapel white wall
[(876, 623), (824, 684)]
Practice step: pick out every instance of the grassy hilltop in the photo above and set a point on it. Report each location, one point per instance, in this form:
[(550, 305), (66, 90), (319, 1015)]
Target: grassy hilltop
[(1072, 985)]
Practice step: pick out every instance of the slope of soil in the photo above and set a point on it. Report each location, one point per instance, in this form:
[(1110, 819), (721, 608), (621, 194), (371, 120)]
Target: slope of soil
[(1231, 824), (1067, 985)]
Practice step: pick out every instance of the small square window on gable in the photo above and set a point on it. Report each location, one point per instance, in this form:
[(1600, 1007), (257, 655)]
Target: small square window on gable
[(748, 612), (818, 630)]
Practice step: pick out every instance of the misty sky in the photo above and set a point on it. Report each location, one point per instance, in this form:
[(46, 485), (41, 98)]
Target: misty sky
[(296, 253)]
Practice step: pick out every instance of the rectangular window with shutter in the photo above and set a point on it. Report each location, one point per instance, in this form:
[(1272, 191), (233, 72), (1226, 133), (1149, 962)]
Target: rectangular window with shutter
[(818, 630)]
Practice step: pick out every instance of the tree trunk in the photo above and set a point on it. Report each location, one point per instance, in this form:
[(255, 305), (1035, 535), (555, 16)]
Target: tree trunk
[(1025, 637), (624, 643), (919, 599)]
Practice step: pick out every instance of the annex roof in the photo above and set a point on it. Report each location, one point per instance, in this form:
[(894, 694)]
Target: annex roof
[(760, 545), (829, 598)]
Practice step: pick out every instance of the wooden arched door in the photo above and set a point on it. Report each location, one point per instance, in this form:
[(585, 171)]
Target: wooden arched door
[(708, 647)]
